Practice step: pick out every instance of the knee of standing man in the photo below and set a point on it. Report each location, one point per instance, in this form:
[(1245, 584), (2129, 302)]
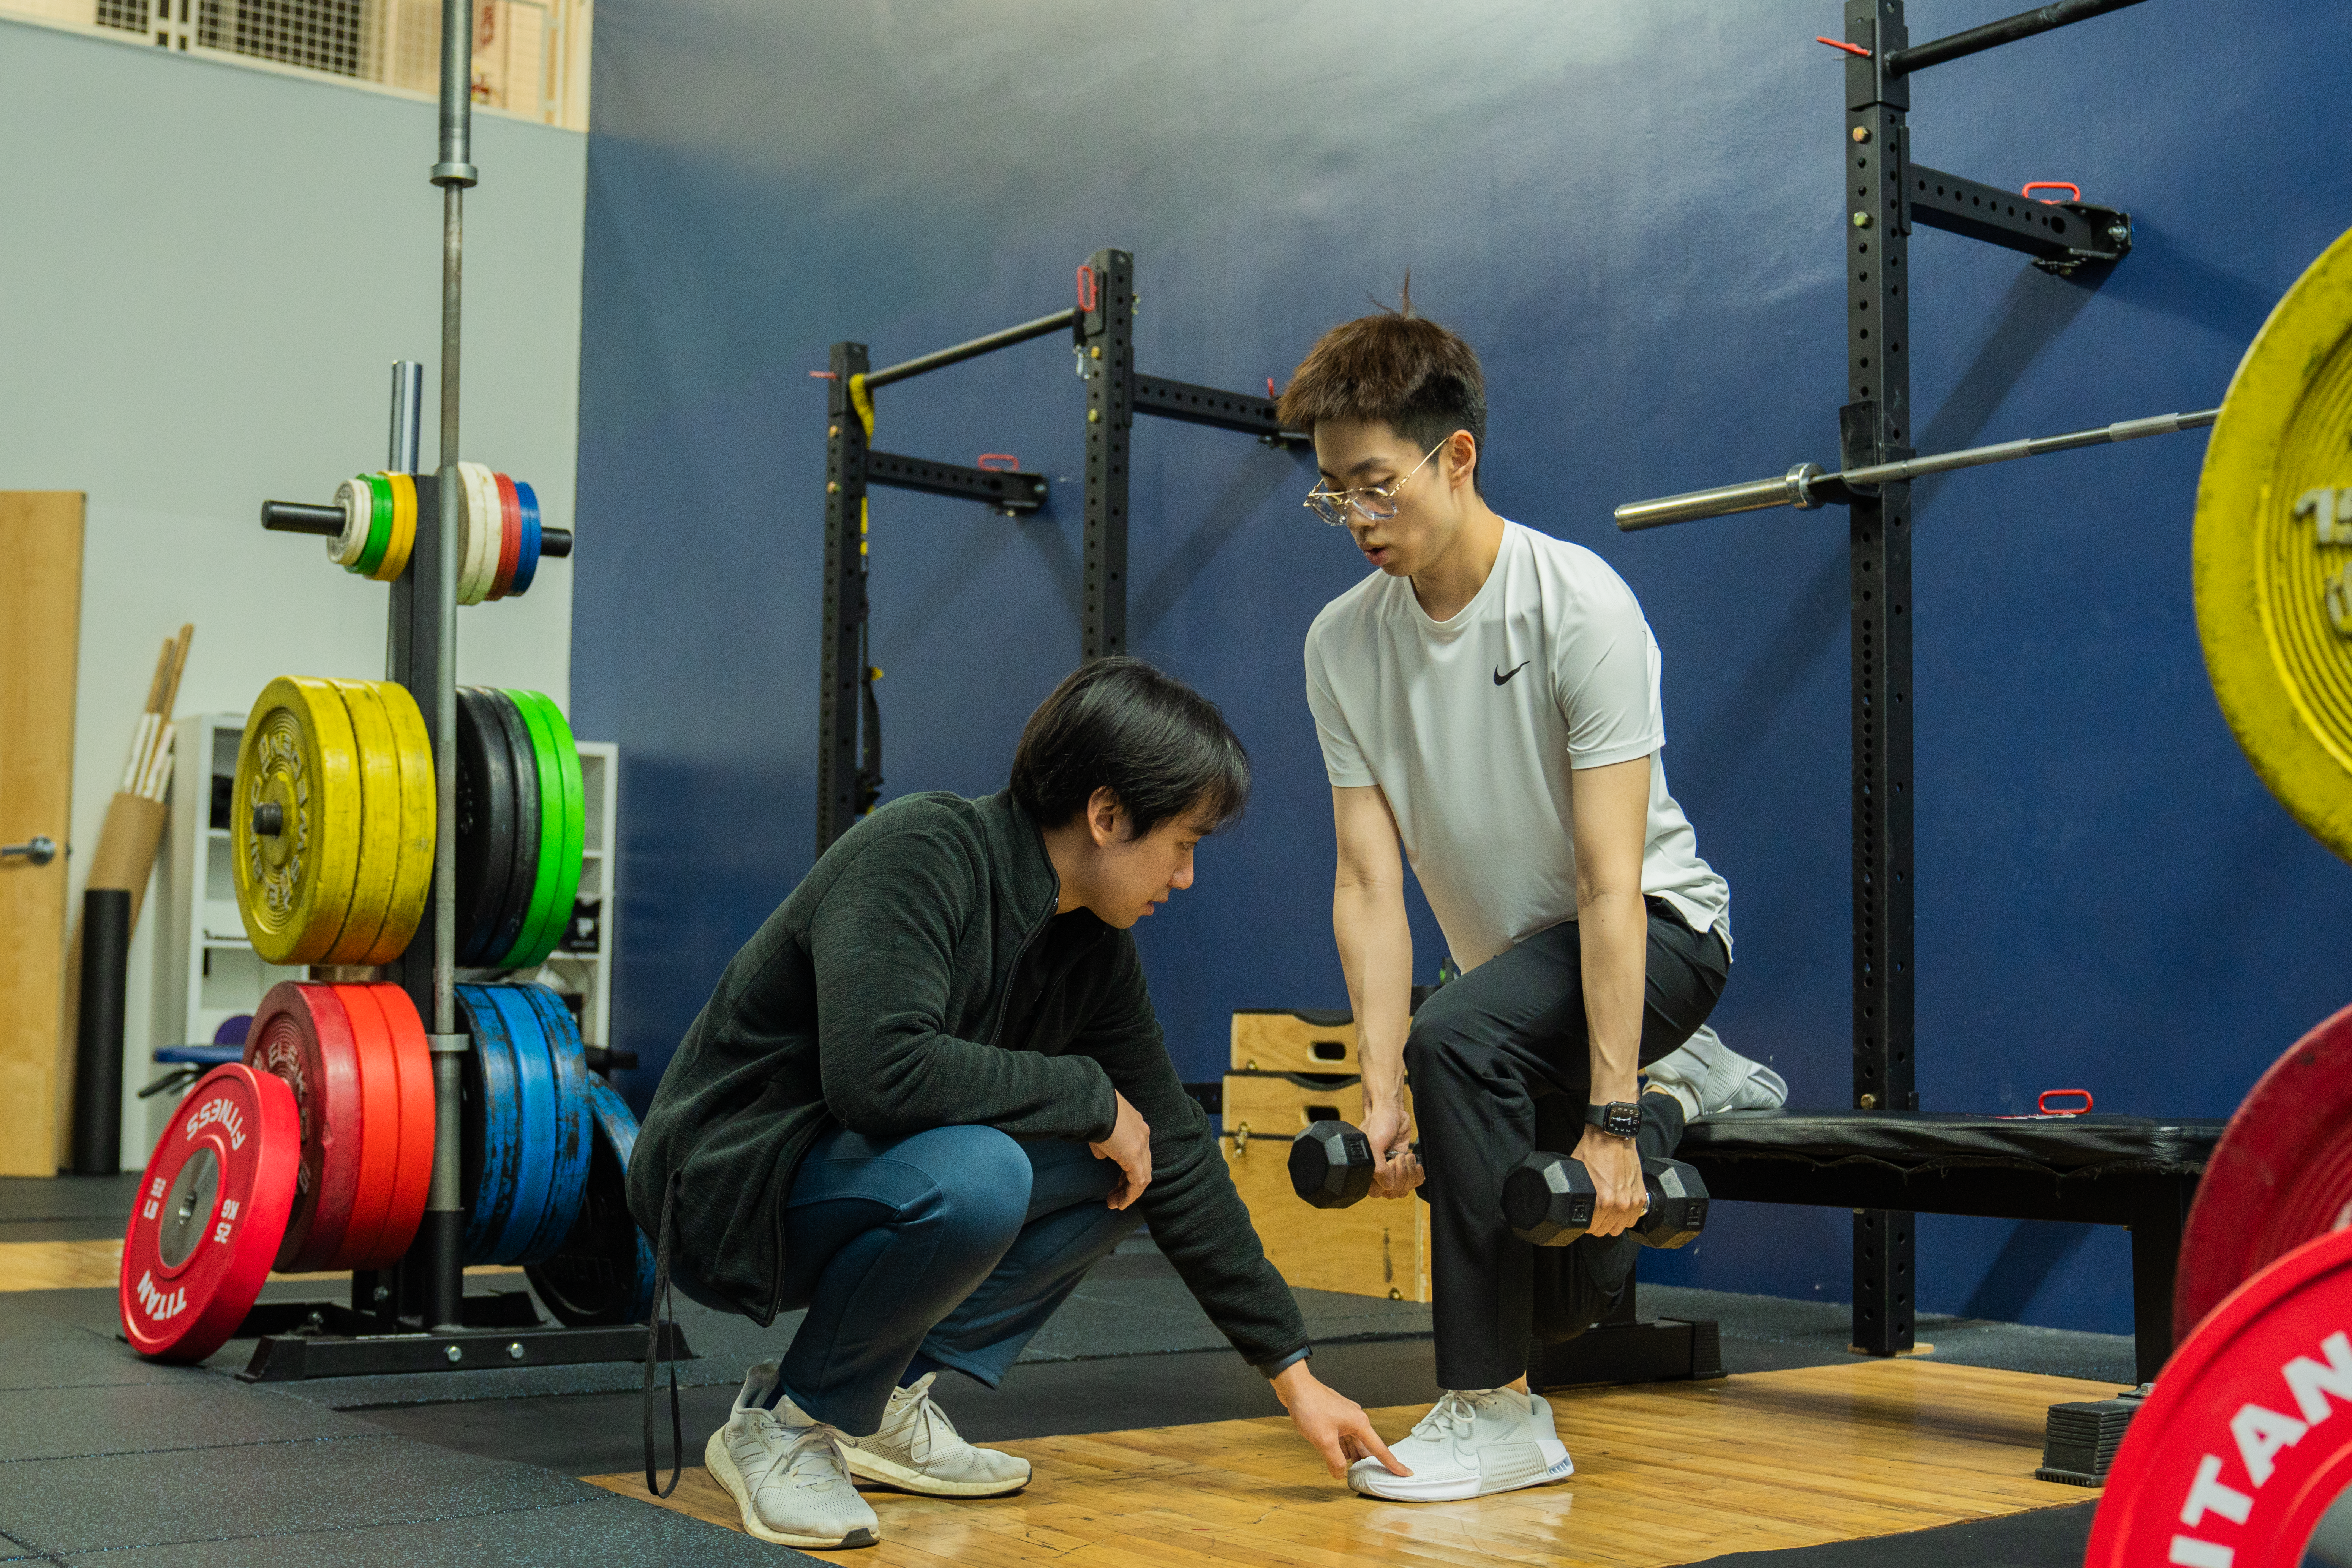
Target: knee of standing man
[(1434, 1053)]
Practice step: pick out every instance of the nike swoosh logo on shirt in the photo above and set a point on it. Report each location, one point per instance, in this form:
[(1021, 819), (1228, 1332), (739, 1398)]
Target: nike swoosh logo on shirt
[(1502, 680)]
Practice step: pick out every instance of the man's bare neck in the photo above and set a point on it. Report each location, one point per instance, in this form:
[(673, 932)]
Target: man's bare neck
[(1449, 582)]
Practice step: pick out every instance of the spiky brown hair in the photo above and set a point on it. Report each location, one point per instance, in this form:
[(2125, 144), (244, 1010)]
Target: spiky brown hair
[(1422, 379)]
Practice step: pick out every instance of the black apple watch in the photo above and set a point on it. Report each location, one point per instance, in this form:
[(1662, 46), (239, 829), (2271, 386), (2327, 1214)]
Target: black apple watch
[(1619, 1119)]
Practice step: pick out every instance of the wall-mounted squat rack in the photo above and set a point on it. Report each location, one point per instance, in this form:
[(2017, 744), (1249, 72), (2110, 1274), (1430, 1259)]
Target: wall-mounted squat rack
[(1886, 196), (1102, 329)]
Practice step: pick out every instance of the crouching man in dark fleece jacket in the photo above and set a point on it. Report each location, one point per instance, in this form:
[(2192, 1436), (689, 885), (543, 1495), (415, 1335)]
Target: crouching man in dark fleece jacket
[(932, 1093)]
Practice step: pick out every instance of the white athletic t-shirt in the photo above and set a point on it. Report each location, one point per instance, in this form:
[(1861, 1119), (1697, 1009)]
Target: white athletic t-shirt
[(1471, 726)]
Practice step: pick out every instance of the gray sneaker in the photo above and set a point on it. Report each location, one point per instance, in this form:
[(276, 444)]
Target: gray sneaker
[(1709, 1076), (787, 1476), (919, 1451)]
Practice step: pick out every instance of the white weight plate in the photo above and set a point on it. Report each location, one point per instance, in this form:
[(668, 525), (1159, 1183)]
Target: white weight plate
[(359, 510), (479, 553)]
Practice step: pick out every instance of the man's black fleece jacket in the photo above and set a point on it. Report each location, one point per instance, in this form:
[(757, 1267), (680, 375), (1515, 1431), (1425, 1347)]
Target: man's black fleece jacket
[(873, 999)]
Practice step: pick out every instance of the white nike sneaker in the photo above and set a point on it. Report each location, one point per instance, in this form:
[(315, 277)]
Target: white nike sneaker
[(1709, 1076), (788, 1478), (1471, 1444), (919, 1451)]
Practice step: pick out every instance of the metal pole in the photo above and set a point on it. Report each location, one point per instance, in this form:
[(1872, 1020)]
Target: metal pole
[(1806, 486), (2008, 30), (1109, 342), (407, 415), (444, 1235), (972, 350), (1876, 429)]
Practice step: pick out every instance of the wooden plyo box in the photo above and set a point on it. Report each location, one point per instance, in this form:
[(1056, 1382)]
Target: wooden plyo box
[(1281, 1104), (1277, 1040), (1377, 1248)]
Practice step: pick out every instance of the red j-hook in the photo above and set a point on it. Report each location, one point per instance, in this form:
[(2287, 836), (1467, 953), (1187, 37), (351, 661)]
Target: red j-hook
[(2074, 192)]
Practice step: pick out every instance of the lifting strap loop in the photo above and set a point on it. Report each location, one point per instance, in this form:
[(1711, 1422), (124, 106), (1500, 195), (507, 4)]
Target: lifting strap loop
[(663, 1313)]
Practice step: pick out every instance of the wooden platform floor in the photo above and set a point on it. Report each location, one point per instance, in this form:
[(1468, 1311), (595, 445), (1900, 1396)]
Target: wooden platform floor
[(1666, 1474)]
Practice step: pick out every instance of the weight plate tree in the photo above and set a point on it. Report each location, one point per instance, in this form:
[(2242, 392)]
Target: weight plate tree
[(213, 1205), (2281, 1174), (333, 833), (2237, 1455), (2272, 553), (604, 1272)]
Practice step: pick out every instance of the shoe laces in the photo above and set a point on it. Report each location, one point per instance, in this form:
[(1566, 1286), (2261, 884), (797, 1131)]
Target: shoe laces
[(930, 1434), (808, 1456), (1452, 1416)]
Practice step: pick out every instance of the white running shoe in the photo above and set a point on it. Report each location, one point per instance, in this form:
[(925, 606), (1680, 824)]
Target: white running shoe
[(919, 1451), (1471, 1444), (1709, 1076), (788, 1478)]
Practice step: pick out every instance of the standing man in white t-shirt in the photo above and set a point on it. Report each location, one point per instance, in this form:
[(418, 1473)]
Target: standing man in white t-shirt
[(1488, 698)]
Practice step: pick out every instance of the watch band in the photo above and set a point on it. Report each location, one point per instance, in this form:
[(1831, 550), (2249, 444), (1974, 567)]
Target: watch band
[(1618, 1119)]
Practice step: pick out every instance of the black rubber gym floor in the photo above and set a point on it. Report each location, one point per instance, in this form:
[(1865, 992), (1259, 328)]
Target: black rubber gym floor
[(103, 1457)]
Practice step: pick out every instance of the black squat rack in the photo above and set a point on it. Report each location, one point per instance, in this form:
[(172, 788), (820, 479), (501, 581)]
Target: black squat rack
[(1889, 194), (1102, 329)]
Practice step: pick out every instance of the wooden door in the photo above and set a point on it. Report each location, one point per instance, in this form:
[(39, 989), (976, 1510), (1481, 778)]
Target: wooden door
[(41, 639)]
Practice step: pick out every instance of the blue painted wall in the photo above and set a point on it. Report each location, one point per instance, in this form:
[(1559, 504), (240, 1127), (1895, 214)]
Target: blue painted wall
[(1633, 209)]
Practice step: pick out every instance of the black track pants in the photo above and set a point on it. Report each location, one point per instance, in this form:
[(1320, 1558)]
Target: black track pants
[(1498, 1060)]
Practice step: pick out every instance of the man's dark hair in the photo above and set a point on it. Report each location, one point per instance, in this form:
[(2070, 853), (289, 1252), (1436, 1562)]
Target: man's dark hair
[(1404, 369), (1159, 745)]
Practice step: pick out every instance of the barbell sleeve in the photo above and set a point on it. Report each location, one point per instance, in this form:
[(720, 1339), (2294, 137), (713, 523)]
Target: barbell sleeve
[(294, 517), (1791, 489)]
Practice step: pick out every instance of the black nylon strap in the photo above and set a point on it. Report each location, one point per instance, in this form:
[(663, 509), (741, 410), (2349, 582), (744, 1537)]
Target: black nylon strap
[(663, 1314)]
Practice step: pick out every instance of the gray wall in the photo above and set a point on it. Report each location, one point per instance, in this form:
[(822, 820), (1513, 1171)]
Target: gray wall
[(205, 271)]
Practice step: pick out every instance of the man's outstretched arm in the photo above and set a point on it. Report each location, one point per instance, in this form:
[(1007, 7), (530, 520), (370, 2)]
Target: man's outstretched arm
[(1612, 809), (1368, 921)]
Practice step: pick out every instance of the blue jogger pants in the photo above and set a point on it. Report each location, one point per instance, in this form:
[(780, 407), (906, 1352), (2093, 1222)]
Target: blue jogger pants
[(958, 1242)]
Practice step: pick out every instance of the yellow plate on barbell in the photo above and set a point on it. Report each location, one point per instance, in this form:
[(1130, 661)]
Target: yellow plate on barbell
[(294, 886), (2273, 557), (419, 804), (404, 529)]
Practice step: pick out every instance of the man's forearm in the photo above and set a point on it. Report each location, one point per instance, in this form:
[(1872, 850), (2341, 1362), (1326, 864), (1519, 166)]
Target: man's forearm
[(1613, 940), (1375, 945)]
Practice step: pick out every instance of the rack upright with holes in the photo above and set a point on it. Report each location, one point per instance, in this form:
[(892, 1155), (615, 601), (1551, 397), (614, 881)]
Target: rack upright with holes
[(1102, 328)]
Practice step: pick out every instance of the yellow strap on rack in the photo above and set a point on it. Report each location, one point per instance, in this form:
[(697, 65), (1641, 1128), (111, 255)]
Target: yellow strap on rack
[(862, 400)]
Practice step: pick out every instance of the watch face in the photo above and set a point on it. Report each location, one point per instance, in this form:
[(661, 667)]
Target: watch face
[(1617, 1119)]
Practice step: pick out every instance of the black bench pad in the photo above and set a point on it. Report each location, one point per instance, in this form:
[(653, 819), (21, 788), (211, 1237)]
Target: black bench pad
[(1920, 1141)]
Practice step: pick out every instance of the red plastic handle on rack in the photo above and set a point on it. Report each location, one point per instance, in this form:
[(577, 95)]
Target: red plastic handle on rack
[(2074, 192), (1086, 287), (1841, 44), (987, 460), (2041, 1102)]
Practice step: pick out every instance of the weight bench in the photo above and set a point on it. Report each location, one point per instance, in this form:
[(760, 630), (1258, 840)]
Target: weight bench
[(2131, 1171)]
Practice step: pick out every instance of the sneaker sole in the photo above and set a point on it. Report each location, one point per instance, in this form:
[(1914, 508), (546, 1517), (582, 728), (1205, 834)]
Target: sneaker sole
[(886, 1472), (1403, 1489), (721, 1465)]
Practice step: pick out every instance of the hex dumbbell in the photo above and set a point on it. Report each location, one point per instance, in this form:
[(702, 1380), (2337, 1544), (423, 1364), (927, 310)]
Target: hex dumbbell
[(1549, 1199), (1331, 1164)]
